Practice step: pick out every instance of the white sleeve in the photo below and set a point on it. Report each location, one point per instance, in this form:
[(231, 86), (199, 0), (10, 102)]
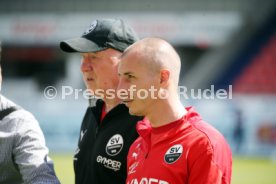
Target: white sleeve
[(30, 153)]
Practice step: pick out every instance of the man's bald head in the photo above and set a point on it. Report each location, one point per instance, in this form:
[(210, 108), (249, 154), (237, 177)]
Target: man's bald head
[(157, 54)]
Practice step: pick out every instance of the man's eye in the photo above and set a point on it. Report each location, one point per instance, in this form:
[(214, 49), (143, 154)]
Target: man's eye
[(93, 57)]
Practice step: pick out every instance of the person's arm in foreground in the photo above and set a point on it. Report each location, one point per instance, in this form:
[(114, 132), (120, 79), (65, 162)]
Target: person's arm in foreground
[(30, 152)]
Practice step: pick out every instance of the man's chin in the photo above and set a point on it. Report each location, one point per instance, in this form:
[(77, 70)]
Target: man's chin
[(91, 88), (134, 113), (97, 92)]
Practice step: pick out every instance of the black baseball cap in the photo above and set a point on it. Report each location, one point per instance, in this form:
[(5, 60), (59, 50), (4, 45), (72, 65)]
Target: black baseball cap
[(100, 35)]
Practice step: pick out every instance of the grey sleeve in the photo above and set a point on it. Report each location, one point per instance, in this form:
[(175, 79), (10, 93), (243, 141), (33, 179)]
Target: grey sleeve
[(30, 153)]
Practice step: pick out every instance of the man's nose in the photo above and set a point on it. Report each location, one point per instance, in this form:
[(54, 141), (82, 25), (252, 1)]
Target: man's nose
[(123, 84), (122, 89), (86, 66)]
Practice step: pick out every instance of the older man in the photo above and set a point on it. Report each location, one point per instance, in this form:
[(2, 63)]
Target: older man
[(107, 130)]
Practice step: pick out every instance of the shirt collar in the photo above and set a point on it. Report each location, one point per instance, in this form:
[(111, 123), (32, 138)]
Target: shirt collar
[(154, 135)]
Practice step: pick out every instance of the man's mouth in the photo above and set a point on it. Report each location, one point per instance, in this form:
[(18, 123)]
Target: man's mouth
[(89, 79)]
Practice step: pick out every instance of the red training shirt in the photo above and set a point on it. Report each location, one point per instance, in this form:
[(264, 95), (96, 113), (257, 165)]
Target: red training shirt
[(186, 151)]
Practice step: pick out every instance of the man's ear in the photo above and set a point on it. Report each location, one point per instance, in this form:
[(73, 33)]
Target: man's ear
[(164, 77)]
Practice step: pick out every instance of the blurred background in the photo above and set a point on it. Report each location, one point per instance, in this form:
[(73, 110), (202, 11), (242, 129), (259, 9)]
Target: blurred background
[(229, 45)]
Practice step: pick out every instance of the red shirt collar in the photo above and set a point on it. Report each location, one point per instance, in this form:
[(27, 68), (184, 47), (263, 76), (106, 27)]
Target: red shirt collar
[(145, 130), (103, 112)]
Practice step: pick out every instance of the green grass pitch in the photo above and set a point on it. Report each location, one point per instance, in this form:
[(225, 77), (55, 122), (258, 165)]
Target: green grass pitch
[(245, 170)]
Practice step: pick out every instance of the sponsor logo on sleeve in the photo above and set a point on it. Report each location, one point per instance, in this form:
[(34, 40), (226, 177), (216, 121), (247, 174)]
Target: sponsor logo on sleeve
[(132, 168), (82, 133), (76, 153)]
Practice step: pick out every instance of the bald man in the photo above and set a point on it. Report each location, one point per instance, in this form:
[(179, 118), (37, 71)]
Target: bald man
[(175, 145)]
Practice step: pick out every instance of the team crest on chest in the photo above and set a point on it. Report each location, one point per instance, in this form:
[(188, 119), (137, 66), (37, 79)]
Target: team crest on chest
[(115, 145), (173, 153)]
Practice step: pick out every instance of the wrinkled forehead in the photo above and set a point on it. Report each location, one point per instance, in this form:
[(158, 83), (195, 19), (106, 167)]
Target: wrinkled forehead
[(106, 52)]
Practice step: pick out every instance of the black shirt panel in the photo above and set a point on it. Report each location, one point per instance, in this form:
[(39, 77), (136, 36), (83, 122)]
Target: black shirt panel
[(103, 146)]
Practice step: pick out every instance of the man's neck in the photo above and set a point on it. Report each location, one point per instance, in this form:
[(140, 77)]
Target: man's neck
[(166, 112), (111, 103)]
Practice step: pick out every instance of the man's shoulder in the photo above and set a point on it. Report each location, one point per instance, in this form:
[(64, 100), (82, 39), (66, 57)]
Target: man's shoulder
[(206, 139), (21, 118), (6, 103), (202, 129), (17, 112), (208, 131)]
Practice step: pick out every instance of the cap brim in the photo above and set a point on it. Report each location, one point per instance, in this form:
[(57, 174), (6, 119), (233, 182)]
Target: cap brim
[(80, 45)]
